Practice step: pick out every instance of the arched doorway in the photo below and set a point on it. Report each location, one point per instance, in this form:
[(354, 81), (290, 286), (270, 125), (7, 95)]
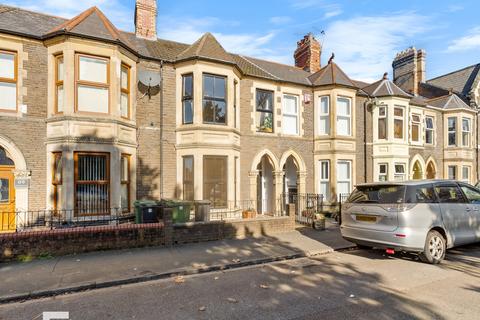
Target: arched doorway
[(265, 186), (431, 171), (290, 179), (417, 171), (7, 192)]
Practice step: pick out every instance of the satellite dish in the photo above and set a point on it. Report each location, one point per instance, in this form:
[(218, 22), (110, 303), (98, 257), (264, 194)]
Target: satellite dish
[(149, 78)]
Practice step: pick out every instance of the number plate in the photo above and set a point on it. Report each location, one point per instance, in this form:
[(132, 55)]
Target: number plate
[(366, 218)]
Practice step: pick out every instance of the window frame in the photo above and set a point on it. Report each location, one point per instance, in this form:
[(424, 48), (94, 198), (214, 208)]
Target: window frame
[(418, 125), (454, 132), (79, 82), (349, 116), (385, 117), (107, 155), (431, 130), (258, 110), (403, 174), (324, 115), (10, 80), (224, 99), (291, 115), (126, 182), (467, 180), (350, 176), (224, 158), (467, 132), (55, 182), (383, 174), (399, 118), (58, 82), (188, 98), (125, 90), (323, 180), (184, 181), (454, 172)]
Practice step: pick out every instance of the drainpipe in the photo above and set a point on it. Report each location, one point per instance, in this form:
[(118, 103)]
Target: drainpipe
[(161, 129), (365, 166)]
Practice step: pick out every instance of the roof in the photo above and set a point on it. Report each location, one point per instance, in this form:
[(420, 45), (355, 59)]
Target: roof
[(206, 47), (450, 101), (460, 81), (279, 71), (331, 74), (385, 88)]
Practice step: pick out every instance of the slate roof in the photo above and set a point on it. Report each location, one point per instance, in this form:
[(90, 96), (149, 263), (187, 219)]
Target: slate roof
[(331, 74), (460, 81), (278, 71), (449, 102), (206, 47), (385, 88)]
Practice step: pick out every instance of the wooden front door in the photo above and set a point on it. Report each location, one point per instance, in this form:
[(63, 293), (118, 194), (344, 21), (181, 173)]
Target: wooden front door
[(7, 199)]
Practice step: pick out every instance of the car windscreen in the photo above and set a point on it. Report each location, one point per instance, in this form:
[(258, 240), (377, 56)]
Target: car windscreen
[(378, 194)]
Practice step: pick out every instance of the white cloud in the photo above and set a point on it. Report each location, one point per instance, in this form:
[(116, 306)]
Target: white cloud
[(365, 46), (467, 42), (280, 20), (333, 13), (330, 9), (120, 15)]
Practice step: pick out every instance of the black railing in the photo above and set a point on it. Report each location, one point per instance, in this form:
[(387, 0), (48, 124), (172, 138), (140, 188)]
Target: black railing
[(57, 219)]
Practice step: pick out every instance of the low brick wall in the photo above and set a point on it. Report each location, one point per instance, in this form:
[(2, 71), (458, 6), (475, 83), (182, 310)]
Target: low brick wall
[(84, 239)]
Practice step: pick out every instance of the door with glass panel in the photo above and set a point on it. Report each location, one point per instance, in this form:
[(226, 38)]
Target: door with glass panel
[(7, 199)]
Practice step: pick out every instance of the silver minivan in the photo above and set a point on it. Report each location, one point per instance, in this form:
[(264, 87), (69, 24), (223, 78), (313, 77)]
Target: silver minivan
[(424, 216)]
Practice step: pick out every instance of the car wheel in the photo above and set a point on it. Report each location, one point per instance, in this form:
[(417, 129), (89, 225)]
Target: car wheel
[(435, 247)]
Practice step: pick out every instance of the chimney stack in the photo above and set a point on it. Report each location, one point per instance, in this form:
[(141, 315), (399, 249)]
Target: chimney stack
[(409, 69), (146, 19), (307, 55)]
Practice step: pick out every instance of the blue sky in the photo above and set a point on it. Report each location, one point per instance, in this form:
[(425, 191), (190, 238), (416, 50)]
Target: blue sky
[(365, 34)]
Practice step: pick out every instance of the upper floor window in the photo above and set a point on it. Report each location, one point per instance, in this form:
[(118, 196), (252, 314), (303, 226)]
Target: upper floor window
[(382, 123), (344, 115), (466, 132), (187, 98), (214, 99), (290, 115), (452, 131), (398, 122), (324, 116), (416, 123), (92, 84), (8, 81), (429, 130), (59, 93), (264, 101), (125, 92), (235, 86)]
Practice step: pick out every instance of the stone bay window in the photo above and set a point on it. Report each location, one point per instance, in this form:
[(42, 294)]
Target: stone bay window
[(214, 99), (92, 83)]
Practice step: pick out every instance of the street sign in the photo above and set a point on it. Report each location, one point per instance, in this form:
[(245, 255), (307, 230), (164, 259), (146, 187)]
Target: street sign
[(22, 183)]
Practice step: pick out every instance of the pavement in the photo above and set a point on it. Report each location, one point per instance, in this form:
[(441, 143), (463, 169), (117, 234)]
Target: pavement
[(74, 273)]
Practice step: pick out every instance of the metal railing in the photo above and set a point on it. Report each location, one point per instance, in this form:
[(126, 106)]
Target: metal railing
[(248, 209), (56, 219)]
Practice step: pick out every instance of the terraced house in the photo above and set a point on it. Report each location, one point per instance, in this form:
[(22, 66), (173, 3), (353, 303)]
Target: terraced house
[(83, 129)]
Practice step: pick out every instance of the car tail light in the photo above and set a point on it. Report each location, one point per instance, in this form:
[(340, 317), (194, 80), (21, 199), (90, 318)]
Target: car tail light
[(400, 235), (390, 251)]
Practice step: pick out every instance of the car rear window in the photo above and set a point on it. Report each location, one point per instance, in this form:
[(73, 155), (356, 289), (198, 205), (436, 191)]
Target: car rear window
[(420, 194), (378, 194)]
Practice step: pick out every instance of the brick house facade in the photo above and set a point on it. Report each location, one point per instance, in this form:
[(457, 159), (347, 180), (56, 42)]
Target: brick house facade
[(84, 133)]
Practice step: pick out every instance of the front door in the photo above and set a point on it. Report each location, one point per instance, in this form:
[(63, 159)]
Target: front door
[(7, 199)]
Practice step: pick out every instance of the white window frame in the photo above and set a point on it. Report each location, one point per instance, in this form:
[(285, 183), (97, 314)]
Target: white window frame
[(324, 180), (432, 130), (383, 174), (418, 124), (349, 180), (466, 179), (348, 116), (454, 132), (454, 172), (402, 118), (324, 116), (385, 116), (466, 133), (399, 176), (291, 115), (11, 82)]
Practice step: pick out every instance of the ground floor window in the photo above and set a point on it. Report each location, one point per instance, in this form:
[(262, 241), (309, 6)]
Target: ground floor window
[(125, 182), (92, 183), (325, 179), (452, 172), (344, 177), (188, 180), (382, 171), (399, 172), (215, 180), (466, 174), (57, 180)]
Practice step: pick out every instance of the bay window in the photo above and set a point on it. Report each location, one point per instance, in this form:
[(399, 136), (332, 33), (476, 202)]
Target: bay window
[(290, 115), (125, 182), (214, 99), (344, 114), (188, 178), (92, 183), (383, 172), (398, 122), (452, 131), (125, 92), (325, 179), (324, 116), (59, 92), (382, 123), (215, 180), (429, 130), (8, 81), (187, 99), (416, 127), (344, 177), (264, 107), (466, 174), (452, 172), (57, 180), (466, 132), (399, 173), (92, 84)]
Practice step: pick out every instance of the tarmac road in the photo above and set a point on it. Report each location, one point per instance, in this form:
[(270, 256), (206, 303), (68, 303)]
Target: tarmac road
[(359, 284)]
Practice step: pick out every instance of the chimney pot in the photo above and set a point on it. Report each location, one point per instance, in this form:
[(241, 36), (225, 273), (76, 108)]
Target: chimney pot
[(308, 52)]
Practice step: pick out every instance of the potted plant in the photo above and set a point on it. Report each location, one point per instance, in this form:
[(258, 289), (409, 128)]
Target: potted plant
[(250, 213), (267, 125), (319, 221)]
